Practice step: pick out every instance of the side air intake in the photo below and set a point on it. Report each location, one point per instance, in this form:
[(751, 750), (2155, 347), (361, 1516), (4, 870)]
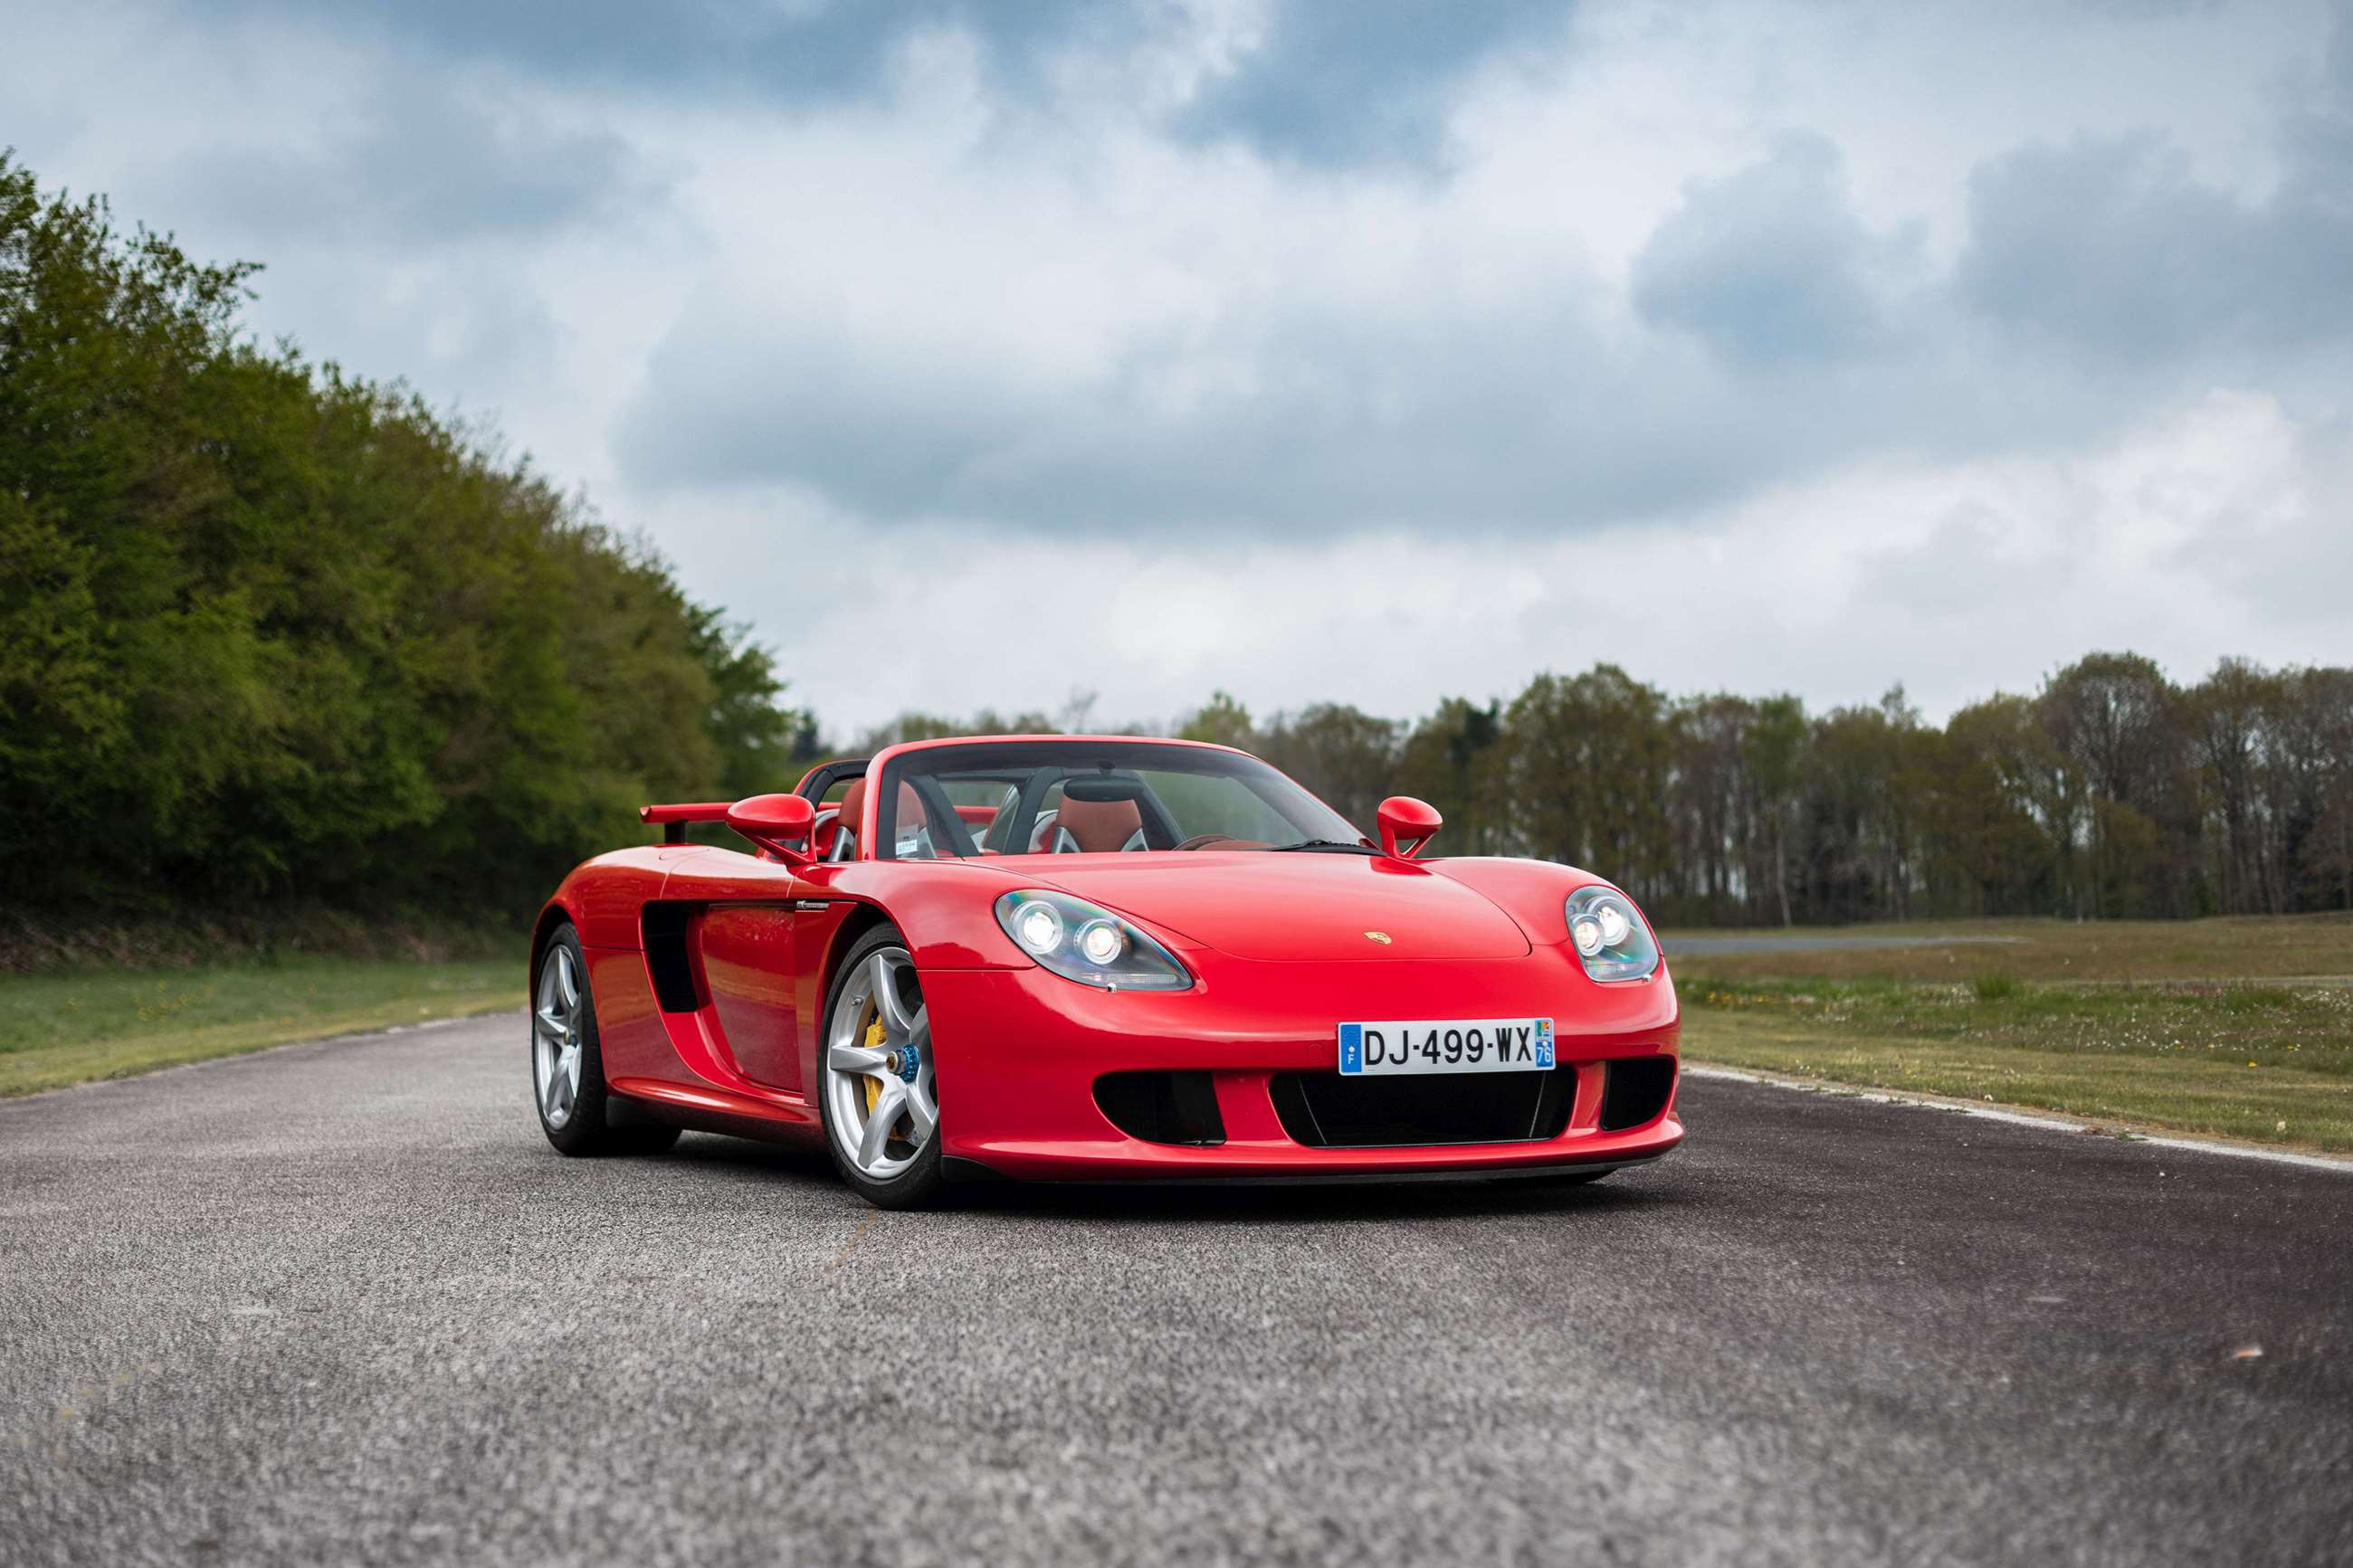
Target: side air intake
[(666, 956)]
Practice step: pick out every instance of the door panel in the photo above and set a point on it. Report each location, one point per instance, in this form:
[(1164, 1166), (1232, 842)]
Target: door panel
[(815, 923), (747, 967)]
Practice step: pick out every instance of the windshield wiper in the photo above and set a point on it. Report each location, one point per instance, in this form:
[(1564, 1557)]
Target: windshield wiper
[(1326, 847)]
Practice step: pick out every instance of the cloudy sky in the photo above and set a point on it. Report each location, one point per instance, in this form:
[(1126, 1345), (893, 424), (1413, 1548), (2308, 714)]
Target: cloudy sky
[(978, 354)]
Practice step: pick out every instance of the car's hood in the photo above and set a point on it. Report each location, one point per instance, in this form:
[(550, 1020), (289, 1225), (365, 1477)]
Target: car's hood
[(1290, 907)]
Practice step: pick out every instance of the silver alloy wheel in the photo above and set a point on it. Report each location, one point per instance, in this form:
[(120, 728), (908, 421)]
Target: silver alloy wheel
[(878, 1067), (555, 1024)]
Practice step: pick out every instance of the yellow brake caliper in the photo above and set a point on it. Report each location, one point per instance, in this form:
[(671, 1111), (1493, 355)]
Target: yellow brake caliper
[(869, 1083)]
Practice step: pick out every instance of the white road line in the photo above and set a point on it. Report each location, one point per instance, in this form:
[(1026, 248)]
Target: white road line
[(2021, 1118)]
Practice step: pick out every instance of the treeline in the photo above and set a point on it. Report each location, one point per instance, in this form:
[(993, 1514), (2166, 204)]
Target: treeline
[(270, 632), (2110, 791)]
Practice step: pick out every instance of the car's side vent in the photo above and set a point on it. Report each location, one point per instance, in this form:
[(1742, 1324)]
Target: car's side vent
[(666, 927), (1636, 1092), (1162, 1106)]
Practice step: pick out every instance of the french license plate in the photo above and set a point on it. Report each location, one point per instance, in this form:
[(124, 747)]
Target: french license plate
[(1482, 1045)]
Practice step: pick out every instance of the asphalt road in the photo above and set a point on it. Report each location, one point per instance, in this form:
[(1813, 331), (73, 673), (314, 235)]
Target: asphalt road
[(340, 1303)]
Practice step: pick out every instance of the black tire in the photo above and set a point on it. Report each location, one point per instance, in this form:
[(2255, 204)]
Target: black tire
[(918, 1185), (586, 1119)]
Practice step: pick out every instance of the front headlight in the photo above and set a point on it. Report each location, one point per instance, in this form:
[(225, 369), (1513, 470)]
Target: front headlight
[(1608, 936), (1088, 943)]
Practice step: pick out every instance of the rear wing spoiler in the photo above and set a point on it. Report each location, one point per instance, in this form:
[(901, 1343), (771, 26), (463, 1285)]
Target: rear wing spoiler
[(674, 818)]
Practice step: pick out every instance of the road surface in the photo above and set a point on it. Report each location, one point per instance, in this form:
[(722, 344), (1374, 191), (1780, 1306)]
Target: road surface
[(340, 1303)]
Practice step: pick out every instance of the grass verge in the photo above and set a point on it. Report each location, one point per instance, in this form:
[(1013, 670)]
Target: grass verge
[(2268, 1063), (62, 1028)]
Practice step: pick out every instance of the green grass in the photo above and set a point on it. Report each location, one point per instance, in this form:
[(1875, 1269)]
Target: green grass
[(56, 1029), (2267, 1061), (2234, 947)]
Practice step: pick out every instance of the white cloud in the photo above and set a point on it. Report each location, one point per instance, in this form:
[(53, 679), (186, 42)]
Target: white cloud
[(1955, 579)]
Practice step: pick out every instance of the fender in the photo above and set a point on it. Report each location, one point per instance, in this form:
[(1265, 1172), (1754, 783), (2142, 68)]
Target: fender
[(1532, 892), (604, 896)]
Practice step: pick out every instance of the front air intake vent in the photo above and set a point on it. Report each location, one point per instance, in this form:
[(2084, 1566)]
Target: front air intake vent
[(1162, 1106), (1636, 1092)]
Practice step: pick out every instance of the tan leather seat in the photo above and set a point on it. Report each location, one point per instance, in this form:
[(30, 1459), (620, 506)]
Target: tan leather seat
[(1099, 826)]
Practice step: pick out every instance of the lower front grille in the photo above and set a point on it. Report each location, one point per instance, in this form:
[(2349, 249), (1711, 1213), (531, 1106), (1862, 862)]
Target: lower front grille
[(1326, 1111)]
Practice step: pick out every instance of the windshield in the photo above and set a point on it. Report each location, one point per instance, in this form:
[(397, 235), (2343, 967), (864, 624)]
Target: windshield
[(1069, 797)]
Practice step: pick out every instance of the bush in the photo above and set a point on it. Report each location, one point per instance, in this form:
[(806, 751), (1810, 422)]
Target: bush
[(1993, 986)]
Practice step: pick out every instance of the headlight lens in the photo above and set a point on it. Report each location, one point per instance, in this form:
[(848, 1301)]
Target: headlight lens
[(1610, 937), (1100, 942), (1038, 927), (1088, 943)]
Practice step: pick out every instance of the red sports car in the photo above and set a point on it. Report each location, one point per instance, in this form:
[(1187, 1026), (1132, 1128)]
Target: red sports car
[(1100, 958)]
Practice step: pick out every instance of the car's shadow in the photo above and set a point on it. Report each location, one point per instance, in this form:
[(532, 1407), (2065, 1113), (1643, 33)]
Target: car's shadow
[(1133, 1202)]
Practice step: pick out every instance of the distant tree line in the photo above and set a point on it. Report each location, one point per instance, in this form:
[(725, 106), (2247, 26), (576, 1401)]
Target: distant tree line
[(2110, 791), (269, 631)]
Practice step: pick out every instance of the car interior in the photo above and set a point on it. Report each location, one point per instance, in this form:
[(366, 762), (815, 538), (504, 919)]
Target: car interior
[(1039, 805)]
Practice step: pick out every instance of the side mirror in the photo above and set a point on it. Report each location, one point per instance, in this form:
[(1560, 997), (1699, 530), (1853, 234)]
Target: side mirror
[(773, 822), (1407, 820)]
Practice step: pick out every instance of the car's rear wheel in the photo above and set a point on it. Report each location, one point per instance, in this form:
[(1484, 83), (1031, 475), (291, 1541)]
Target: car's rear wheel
[(876, 1094), (567, 1065)]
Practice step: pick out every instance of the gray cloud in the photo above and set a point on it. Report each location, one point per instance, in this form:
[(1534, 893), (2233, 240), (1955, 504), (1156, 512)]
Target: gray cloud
[(1530, 420), (801, 50), (2114, 247), (1768, 267), (418, 160), (1329, 83), (1334, 84)]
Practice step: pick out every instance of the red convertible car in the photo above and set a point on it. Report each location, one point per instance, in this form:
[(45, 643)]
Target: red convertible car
[(1100, 958)]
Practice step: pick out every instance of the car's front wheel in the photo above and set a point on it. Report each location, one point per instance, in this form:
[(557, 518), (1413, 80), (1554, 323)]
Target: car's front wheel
[(877, 1098), (567, 1066)]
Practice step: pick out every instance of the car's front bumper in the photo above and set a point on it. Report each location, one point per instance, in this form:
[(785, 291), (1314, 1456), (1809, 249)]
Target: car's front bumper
[(1021, 1051)]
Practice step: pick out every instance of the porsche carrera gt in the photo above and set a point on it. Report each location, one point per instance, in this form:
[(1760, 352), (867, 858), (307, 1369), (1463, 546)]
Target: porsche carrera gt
[(1098, 958)]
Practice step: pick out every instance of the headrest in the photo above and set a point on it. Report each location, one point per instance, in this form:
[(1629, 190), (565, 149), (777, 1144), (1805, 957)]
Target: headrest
[(1099, 826)]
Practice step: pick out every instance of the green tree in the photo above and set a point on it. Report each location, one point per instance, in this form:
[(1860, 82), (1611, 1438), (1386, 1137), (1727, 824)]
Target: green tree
[(1995, 810), (2114, 720), (1452, 760), (1776, 755), (1344, 755), (1587, 759), (1222, 721), (267, 630)]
